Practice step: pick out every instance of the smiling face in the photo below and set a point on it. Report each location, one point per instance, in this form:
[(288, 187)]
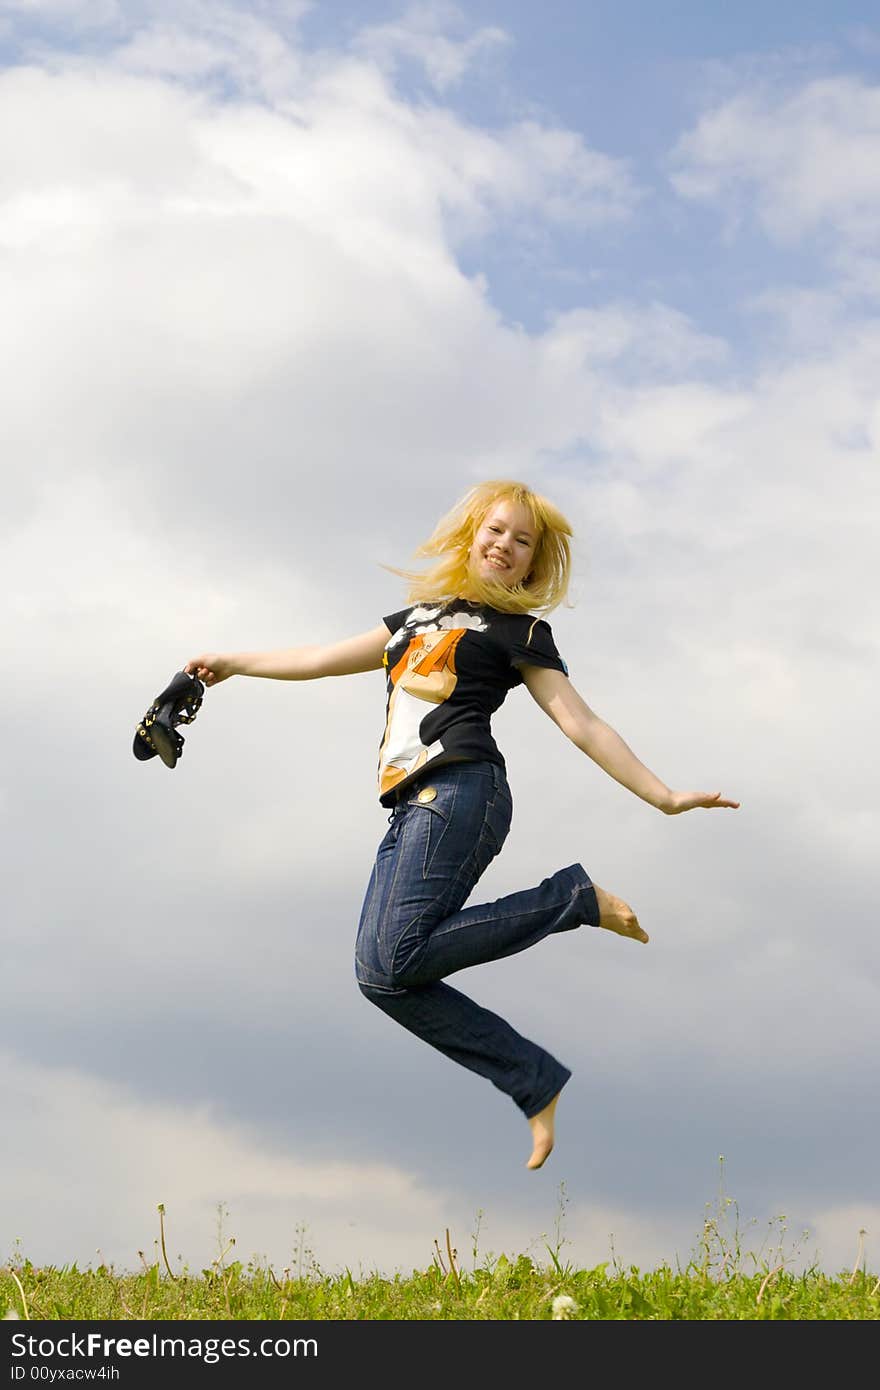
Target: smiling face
[(504, 545)]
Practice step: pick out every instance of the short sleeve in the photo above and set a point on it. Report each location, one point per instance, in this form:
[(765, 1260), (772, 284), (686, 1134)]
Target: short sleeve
[(396, 620), (535, 647)]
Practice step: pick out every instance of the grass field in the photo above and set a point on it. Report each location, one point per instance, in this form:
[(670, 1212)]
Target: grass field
[(720, 1282), (515, 1289)]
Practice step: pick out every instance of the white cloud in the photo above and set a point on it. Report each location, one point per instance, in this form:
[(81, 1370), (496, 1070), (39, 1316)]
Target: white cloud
[(95, 15), (104, 1190), (807, 161), (846, 1237), (251, 49), (168, 249), (422, 34), (648, 338), (96, 1200)]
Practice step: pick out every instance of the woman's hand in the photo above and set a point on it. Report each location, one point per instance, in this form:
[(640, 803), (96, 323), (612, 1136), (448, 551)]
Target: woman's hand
[(689, 801), (211, 667)]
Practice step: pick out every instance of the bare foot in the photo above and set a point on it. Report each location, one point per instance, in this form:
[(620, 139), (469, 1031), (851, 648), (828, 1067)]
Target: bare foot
[(541, 1126), (617, 916)]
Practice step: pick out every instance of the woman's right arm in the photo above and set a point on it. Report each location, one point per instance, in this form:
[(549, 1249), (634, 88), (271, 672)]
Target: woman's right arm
[(346, 658)]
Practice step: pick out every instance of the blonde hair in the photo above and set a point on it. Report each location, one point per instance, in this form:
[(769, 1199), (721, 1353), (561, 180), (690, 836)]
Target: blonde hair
[(545, 586)]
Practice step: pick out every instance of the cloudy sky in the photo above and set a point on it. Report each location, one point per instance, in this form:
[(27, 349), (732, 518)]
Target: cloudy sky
[(279, 282)]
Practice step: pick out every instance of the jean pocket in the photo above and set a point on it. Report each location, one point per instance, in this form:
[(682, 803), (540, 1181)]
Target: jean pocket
[(499, 811), (432, 823), (429, 812), (499, 814)]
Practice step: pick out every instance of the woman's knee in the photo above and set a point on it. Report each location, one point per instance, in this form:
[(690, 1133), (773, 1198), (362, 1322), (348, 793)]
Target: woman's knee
[(383, 996)]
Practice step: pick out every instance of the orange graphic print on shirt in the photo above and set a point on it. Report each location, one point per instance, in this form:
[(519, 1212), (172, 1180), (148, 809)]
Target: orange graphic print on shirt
[(424, 674)]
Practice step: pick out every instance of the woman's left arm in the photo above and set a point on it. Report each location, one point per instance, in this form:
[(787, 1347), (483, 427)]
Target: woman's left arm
[(558, 698)]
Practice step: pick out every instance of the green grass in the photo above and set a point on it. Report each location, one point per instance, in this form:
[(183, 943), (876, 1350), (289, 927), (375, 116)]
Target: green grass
[(720, 1282), (513, 1289)]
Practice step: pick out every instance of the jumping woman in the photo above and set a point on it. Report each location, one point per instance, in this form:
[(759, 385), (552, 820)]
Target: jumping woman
[(470, 633)]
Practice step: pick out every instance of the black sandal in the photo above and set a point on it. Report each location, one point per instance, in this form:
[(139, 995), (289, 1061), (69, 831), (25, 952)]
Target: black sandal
[(157, 732)]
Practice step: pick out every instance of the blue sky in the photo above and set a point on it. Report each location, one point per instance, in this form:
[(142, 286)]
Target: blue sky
[(630, 78), (279, 284)]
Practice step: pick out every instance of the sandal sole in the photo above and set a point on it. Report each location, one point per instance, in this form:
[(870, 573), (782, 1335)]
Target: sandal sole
[(161, 738)]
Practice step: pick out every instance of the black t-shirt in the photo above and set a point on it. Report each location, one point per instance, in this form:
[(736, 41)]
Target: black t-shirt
[(449, 666)]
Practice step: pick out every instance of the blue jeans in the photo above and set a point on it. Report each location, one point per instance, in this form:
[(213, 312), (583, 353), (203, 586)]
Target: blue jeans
[(414, 930)]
